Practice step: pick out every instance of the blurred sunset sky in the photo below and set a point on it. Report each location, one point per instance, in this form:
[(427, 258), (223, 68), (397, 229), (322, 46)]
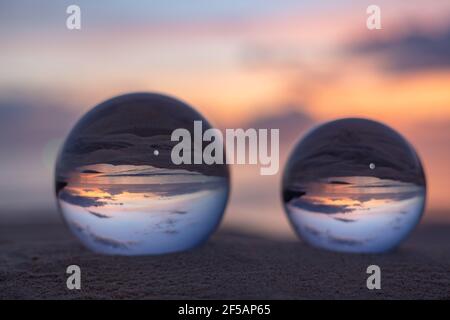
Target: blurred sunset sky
[(239, 63)]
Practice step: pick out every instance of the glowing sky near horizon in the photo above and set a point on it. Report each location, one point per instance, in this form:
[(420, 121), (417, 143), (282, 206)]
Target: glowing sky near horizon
[(231, 59)]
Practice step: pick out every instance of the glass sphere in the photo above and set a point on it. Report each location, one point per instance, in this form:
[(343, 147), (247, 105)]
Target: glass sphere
[(354, 185), (120, 192)]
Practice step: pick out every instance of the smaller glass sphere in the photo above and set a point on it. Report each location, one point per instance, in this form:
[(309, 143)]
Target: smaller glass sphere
[(119, 190), (354, 185)]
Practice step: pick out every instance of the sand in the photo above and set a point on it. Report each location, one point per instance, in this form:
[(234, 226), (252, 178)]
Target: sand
[(232, 265)]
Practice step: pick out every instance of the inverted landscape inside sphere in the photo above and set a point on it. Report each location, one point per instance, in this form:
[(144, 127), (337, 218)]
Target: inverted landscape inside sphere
[(126, 130), (118, 189), (354, 185)]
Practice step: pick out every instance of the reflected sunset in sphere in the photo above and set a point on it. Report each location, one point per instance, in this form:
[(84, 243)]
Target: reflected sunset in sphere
[(354, 185), (118, 190)]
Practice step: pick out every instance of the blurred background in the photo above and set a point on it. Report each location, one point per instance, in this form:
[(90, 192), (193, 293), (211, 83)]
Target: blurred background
[(248, 63)]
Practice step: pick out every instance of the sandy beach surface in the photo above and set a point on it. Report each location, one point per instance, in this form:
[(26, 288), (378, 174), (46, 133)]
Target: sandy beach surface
[(231, 265)]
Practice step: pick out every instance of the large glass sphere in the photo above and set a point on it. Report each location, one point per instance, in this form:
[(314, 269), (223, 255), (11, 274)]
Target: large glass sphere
[(119, 190), (354, 185)]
